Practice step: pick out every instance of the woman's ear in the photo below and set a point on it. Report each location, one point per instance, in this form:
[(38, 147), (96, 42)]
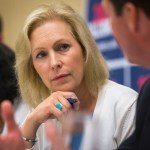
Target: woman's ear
[(131, 16)]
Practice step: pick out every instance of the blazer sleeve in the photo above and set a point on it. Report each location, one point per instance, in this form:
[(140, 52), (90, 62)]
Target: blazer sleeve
[(125, 116)]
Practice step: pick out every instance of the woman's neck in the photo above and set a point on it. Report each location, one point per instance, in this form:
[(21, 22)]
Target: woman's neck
[(87, 100)]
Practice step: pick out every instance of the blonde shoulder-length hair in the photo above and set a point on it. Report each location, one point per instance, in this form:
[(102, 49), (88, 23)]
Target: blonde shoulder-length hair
[(32, 88)]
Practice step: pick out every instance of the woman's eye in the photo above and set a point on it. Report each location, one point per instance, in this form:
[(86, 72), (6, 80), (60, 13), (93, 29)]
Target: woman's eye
[(62, 47), (41, 54)]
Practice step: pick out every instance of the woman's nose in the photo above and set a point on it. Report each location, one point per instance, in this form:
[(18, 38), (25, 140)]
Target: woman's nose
[(55, 62)]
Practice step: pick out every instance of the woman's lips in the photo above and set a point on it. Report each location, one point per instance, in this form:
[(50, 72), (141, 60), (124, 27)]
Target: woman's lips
[(60, 77)]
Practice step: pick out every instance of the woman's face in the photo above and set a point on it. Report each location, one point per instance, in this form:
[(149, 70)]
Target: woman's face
[(57, 56)]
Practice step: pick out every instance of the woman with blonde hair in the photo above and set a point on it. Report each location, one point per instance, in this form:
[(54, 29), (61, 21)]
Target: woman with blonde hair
[(57, 59)]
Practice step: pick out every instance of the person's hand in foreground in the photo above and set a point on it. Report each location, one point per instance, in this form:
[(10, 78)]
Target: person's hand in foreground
[(12, 140)]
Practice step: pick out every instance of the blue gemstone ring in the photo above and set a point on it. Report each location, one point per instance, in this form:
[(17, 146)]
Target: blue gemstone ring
[(59, 106)]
